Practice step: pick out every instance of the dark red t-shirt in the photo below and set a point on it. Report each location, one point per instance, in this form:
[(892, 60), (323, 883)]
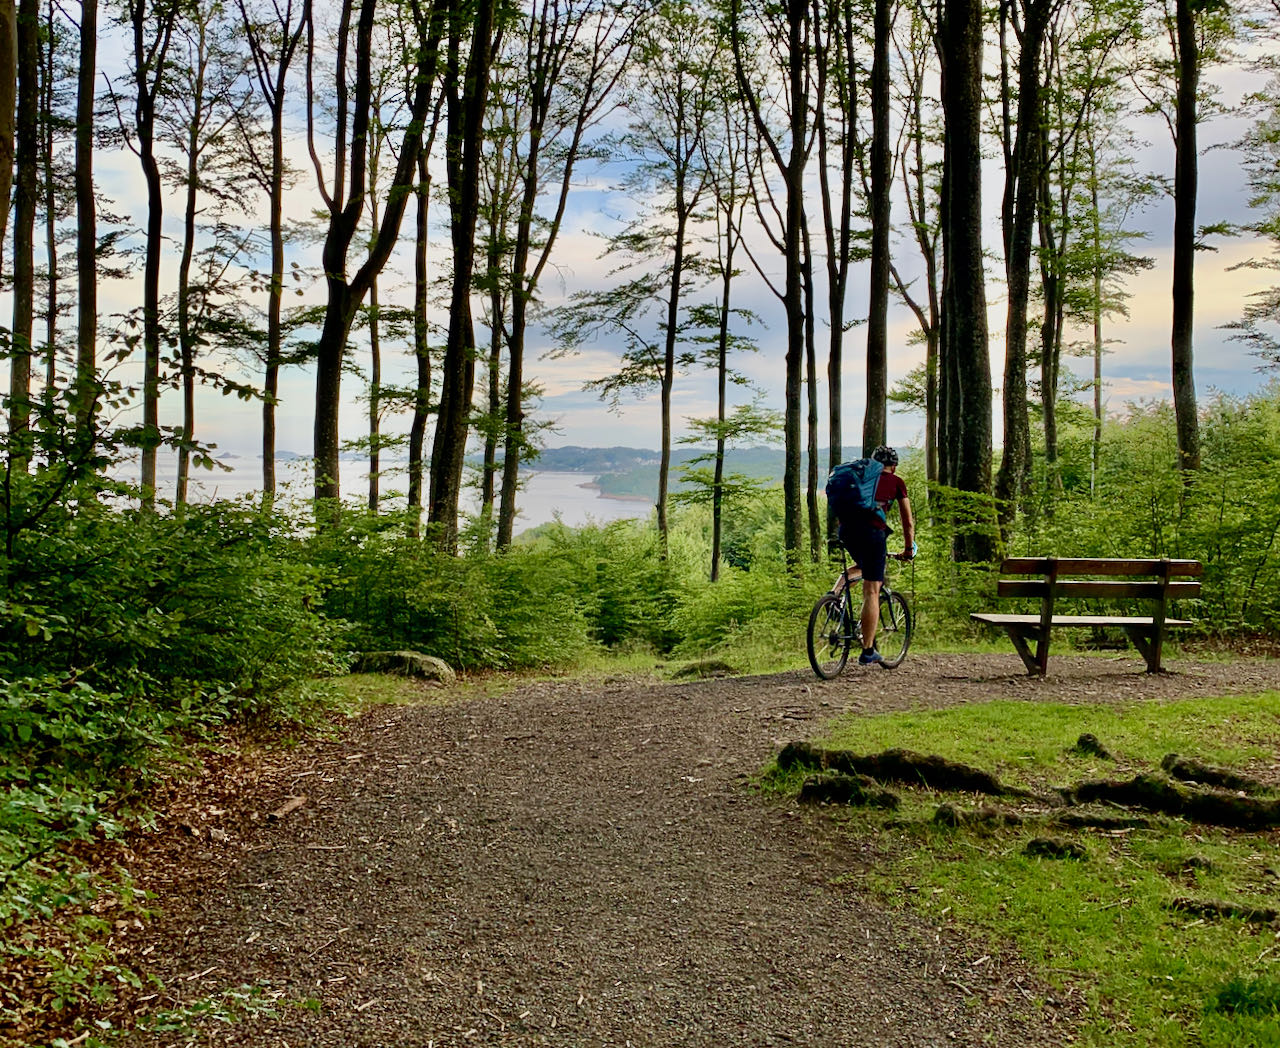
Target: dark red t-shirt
[(890, 488)]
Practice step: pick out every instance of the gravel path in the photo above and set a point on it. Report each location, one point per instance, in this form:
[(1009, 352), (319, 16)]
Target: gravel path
[(587, 864)]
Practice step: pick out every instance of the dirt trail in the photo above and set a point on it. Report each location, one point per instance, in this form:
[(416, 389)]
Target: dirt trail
[(579, 864)]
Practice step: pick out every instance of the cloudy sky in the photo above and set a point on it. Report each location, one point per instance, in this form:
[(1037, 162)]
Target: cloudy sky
[(1136, 369)]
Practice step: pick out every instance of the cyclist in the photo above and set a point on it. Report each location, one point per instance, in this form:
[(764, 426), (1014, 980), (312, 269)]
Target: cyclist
[(864, 534)]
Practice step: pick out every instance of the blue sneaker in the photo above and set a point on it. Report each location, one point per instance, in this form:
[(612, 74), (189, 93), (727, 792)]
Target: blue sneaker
[(869, 657)]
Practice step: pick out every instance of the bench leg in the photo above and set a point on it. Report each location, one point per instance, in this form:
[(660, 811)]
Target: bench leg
[(1146, 643), (1035, 666)]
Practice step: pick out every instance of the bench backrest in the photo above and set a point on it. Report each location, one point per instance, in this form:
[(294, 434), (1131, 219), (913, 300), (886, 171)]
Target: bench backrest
[(1060, 577)]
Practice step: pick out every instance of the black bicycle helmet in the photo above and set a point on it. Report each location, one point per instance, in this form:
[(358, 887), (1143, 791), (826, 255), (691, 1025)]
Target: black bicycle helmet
[(885, 455)]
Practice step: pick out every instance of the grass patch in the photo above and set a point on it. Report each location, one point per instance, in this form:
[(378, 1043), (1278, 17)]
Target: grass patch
[(1150, 976)]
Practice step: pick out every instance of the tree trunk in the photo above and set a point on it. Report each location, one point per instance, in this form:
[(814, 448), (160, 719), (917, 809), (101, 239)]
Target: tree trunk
[(875, 424), (48, 66), (793, 292), (275, 293), (466, 139), (1022, 188), (9, 58), (148, 74), (670, 336), (346, 205), (86, 229), (964, 307), (816, 522), (186, 337), (1184, 239), (421, 349), (24, 224), (375, 395)]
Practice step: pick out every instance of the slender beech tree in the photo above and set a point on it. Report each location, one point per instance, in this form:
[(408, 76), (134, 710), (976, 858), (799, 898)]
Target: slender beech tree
[(466, 93), (919, 173), (670, 100), (9, 76), (273, 43), (574, 54), (151, 28), (875, 422), (343, 194), (1023, 157), (787, 38), (421, 341), (1186, 38), (965, 357), (25, 203), (835, 128), (199, 123), (86, 228), (728, 160)]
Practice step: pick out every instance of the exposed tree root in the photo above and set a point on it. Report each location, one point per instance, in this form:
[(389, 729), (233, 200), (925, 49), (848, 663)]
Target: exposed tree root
[(1214, 908), (1188, 769), (904, 766), (1084, 821), (985, 816), (853, 790), (1054, 848), (1088, 744), (1157, 794)]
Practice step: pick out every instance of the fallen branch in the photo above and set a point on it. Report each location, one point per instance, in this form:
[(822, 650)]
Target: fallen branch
[(292, 804)]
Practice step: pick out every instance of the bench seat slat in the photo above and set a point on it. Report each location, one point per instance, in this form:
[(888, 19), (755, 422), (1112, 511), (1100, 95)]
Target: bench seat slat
[(1095, 588), (1075, 620), (1097, 566)]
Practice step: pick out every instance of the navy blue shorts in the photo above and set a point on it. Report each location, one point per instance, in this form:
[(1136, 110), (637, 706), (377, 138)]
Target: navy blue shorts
[(868, 546)]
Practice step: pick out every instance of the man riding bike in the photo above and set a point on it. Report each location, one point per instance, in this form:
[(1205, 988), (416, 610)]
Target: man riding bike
[(864, 533)]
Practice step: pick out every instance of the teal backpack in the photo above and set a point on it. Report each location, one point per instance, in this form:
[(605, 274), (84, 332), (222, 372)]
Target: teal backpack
[(851, 488)]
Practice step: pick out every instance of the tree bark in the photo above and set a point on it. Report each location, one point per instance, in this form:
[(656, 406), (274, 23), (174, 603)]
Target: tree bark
[(1184, 238), (346, 204), (466, 139), (875, 423), (86, 229), (964, 307), (421, 350), (149, 62), (9, 58), (24, 222), (1019, 211)]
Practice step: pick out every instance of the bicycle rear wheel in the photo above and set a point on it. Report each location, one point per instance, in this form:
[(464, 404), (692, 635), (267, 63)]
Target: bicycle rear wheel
[(894, 632), (833, 631)]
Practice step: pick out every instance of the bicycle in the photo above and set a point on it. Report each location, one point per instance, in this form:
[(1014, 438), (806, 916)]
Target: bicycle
[(835, 625)]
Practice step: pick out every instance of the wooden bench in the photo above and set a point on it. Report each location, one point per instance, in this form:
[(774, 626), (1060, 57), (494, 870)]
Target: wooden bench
[(1157, 581)]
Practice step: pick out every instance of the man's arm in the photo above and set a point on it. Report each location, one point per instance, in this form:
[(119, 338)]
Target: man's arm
[(908, 526)]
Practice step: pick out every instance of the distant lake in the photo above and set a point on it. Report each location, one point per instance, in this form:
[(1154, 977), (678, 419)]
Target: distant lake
[(544, 495)]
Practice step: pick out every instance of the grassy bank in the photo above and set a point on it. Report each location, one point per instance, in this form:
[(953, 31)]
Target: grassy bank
[(1103, 922)]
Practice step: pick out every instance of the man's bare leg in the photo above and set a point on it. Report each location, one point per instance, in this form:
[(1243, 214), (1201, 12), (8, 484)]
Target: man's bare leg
[(870, 612)]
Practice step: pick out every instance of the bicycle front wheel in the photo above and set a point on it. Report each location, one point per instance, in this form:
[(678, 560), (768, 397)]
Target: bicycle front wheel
[(832, 632), (894, 632)]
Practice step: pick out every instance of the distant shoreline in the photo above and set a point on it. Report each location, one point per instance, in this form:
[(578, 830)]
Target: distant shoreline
[(593, 486)]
